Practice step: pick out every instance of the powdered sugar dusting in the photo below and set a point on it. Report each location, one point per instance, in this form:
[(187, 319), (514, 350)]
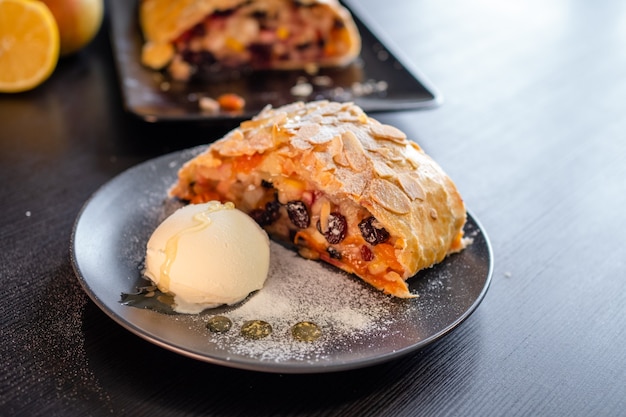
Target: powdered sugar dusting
[(296, 290)]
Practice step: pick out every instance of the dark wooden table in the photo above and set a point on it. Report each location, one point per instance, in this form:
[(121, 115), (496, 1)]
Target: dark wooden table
[(532, 129)]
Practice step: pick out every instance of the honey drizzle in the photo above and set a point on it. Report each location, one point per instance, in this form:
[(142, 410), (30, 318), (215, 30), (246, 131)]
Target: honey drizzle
[(202, 221)]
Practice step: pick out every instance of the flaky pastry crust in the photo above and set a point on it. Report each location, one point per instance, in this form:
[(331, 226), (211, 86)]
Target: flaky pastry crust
[(358, 164)]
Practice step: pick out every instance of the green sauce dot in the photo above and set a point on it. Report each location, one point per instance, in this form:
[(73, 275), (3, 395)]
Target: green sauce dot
[(256, 329), (305, 331), (219, 324)]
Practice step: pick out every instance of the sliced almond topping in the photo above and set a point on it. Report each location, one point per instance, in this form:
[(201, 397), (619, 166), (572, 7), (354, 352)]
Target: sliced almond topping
[(341, 160), (362, 133), (293, 122), (350, 183), (297, 107), (330, 108), (363, 117), (389, 196), (347, 117), (325, 135), (411, 186), (391, 152), (317, 119), (307, 131), (279, 118), (300, 143), (382, 131), (252, 124), (260, 140), (383, 170), (315, 133), (335, 149), (354, 151), (414, 154), (433, 214), (279, 135), (384, 152), (324, 215)]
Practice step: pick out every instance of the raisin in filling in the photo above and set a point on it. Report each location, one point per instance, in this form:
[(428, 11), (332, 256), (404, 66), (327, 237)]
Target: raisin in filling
[(336, 229), (268, 215), (333, 253), (298, 214), (371, 233)]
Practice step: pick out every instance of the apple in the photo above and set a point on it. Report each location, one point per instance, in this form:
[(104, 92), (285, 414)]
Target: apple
[(79, 21)]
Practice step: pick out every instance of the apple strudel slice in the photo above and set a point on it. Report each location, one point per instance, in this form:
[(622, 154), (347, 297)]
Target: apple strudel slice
[(201, 37), (337, 184)]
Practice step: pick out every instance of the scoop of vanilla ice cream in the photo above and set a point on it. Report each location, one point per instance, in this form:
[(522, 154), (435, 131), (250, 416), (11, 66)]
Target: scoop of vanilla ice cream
[(207, 255)]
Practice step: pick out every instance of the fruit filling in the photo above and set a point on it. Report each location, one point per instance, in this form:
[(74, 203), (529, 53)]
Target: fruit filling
[(249, 36), (336, 231)]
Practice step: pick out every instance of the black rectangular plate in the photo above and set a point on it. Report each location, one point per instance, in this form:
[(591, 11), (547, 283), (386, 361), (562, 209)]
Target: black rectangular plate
[(377, 81)]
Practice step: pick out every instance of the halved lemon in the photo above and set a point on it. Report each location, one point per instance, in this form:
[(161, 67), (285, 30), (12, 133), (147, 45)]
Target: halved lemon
[(29, 45)]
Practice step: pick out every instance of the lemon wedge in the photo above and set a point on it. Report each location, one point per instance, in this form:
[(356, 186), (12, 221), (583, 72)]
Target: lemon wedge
[(29, 45)]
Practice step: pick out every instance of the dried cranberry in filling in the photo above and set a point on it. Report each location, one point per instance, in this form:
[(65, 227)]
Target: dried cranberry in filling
[(366, 253), (298, 214), (372, 234), (337, 228), (267, 216)]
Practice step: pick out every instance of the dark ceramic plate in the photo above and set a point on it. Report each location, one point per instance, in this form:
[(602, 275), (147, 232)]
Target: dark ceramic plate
[(360, 326), (384, 81)]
